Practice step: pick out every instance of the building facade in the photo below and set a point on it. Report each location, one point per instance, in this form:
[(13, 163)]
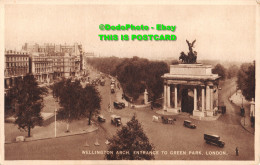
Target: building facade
[(16, 65), (50, 61), (41, 67)]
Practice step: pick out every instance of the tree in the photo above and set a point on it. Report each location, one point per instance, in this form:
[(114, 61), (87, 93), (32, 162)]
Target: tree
[(57, 87), (246, 80), (232, 71), (154, 80), (29, 97), (76, 102), (68, 95), (174, 62), (89, 102), (134, 74), (220, 70), (130, 138)]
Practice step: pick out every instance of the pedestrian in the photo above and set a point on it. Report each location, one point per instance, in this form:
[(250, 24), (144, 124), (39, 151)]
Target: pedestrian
[(236, 151)]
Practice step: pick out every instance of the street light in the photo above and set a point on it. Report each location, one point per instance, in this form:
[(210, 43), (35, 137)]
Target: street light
[(55, 129)]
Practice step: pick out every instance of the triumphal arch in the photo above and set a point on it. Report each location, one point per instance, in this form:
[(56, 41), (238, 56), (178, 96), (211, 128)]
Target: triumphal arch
[(191, 88)]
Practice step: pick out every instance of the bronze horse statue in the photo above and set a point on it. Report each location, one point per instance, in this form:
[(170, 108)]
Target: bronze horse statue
[(184, 58), (191, 58)]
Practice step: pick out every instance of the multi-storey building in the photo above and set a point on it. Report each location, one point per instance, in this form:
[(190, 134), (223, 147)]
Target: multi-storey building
[(85, 65), (16, 65), (41, 67), (50, 61)]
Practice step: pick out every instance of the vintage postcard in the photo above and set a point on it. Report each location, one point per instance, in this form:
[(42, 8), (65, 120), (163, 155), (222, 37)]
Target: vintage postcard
[(120, 82)]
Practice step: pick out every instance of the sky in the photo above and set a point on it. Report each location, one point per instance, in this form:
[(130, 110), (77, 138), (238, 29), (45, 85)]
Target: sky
[(222, 32)]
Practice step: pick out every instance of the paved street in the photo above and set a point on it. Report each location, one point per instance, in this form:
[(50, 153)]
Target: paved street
[(165, 137), (232, 115)]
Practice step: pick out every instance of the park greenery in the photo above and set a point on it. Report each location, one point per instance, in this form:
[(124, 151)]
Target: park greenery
[(134, 74), (76, 102), (130, 137), (246, 80), (220, 70), (25, 101)]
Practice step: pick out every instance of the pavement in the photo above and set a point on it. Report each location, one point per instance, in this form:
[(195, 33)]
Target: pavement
[(238, 99), (45, 132)]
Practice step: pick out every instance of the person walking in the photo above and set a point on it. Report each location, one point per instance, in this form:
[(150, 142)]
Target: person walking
[(236, 151)]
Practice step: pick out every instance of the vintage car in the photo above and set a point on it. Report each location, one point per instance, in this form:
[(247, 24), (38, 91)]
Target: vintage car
[(112, 88), (102, 82), (188, 124), (113, 81), (101, 118), (116, 120), (119, 105), (213, 139)]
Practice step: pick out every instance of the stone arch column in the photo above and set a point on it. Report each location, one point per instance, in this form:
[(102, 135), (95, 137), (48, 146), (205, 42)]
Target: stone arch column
[(168, 96), (195, 106), (165, 97)]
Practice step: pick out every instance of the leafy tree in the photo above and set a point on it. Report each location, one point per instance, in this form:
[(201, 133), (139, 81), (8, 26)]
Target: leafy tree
[(130, 138), (76, 102), (232, 71), (220, 70), (154, 80), (174, 62), (68, 95), (57, 87), (29, 97), (134, 74), (246, 80), (89, 102)]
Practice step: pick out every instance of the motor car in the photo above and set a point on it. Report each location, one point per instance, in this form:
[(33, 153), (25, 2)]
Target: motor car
[(116, 120), (101, 118), (214, 139), (119, 105), (112, 90), (188, 124), (102, 82)]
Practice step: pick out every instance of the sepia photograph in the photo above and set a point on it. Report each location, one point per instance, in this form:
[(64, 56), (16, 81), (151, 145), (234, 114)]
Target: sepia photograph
[(91, 82)]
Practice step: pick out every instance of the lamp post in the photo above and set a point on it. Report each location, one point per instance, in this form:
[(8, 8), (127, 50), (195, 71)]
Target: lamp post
[(110, 93), (55, 123)]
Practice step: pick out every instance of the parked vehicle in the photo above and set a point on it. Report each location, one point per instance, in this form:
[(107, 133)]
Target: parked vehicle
[(101, 118), (113, 81), (112, 87), (112, 90), (214, 139), (119, 105), (116, 120), (102, 82), (188, 124)]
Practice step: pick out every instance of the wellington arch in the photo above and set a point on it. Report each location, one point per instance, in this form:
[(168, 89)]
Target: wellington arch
[(191, 88)]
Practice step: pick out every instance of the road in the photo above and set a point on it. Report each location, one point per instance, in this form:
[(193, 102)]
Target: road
[(232, 115), (170, 138)]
